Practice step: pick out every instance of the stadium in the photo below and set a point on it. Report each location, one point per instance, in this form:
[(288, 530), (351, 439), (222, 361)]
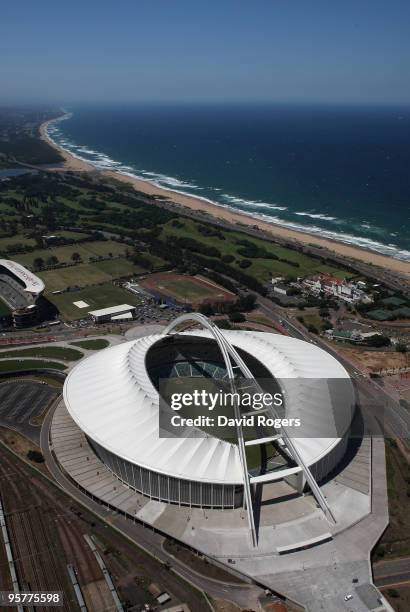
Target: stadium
[(19, 292), (113, 398)]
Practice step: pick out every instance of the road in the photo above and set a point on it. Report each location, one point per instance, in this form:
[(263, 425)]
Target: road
[(392, 572), (245, 596), (394, 418)]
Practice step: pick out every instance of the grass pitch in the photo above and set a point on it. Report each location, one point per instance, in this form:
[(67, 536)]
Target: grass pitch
[(100, 296), (186, 289), (49, 352), (85, 274), (13, 365)]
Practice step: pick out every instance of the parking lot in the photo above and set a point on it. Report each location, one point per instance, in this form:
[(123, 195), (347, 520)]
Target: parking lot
[(21, 402)]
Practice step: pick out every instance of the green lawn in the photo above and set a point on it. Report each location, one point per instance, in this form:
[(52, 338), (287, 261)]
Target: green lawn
[(64, 253), (119, 267), (5, 242), (92, 345), (49, 352), (29, 364), (312, 319), (84, 274), (261, 269), (100, 296)]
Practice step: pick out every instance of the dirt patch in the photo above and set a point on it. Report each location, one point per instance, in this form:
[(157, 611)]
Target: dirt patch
[(395, 541), (183, 289), (398, 597), (221, 605), (375, 361)]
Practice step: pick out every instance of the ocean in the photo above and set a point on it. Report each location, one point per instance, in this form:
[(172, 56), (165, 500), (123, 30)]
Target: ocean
[(339, 172)]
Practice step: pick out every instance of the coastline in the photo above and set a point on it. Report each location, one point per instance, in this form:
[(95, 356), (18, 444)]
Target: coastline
[(72, 163)]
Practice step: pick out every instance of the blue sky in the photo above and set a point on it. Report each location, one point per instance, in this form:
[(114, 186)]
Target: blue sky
[(266, 50)]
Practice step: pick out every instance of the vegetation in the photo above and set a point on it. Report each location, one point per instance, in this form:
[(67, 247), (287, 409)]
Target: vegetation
[(13, 365), (79, 230), (396, 539), (35, 456), (4, 309), (49, 352), (267, 259), (92, 345), (378, 341), (19, 130), (97, 296)]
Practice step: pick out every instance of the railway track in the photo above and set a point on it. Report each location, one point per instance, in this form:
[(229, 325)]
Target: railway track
[(33, 533)]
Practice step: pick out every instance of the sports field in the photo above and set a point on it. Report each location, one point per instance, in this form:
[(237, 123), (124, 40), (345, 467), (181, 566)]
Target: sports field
[(84, 274), (187, 289), (100, 296), (86, 250)]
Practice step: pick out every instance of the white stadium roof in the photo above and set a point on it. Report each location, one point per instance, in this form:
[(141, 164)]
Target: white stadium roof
[(111, 397), (33, 284)]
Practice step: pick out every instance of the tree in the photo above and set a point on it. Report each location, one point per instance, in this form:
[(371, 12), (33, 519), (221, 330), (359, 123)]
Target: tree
[(378, 340), (237, 317), (38, 263), (76, 257), (39, 240), (53, 260), (401, 347), (36, 456), (206, 309), (245, 303)]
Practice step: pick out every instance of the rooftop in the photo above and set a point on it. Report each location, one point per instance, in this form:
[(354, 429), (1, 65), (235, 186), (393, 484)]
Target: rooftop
[(112, 310)]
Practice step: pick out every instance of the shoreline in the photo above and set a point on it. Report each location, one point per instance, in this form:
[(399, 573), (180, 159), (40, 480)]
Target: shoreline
[(72, 163)]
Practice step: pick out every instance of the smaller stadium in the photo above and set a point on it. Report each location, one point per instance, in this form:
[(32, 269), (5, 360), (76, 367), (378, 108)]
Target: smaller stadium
[(20, 290), (187, 291)]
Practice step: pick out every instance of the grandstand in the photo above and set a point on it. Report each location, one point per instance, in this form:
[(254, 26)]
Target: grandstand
[(19, 291)]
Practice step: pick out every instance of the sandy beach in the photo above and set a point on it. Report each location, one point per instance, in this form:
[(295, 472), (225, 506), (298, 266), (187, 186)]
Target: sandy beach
[(369, 257)]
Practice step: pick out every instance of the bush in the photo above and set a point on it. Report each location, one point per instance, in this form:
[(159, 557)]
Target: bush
[(237, 317), (312, 328), (245, 303), (245, 263), (35, 456), (227, 258), (223, 324), (378, 341)]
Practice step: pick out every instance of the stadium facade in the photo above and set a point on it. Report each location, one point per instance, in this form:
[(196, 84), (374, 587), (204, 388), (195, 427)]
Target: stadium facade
[(20, 290), (113, 396)]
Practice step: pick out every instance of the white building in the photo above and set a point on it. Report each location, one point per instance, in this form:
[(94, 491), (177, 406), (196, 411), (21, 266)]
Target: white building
[(113, 396), (108, 314), (339, 288)]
